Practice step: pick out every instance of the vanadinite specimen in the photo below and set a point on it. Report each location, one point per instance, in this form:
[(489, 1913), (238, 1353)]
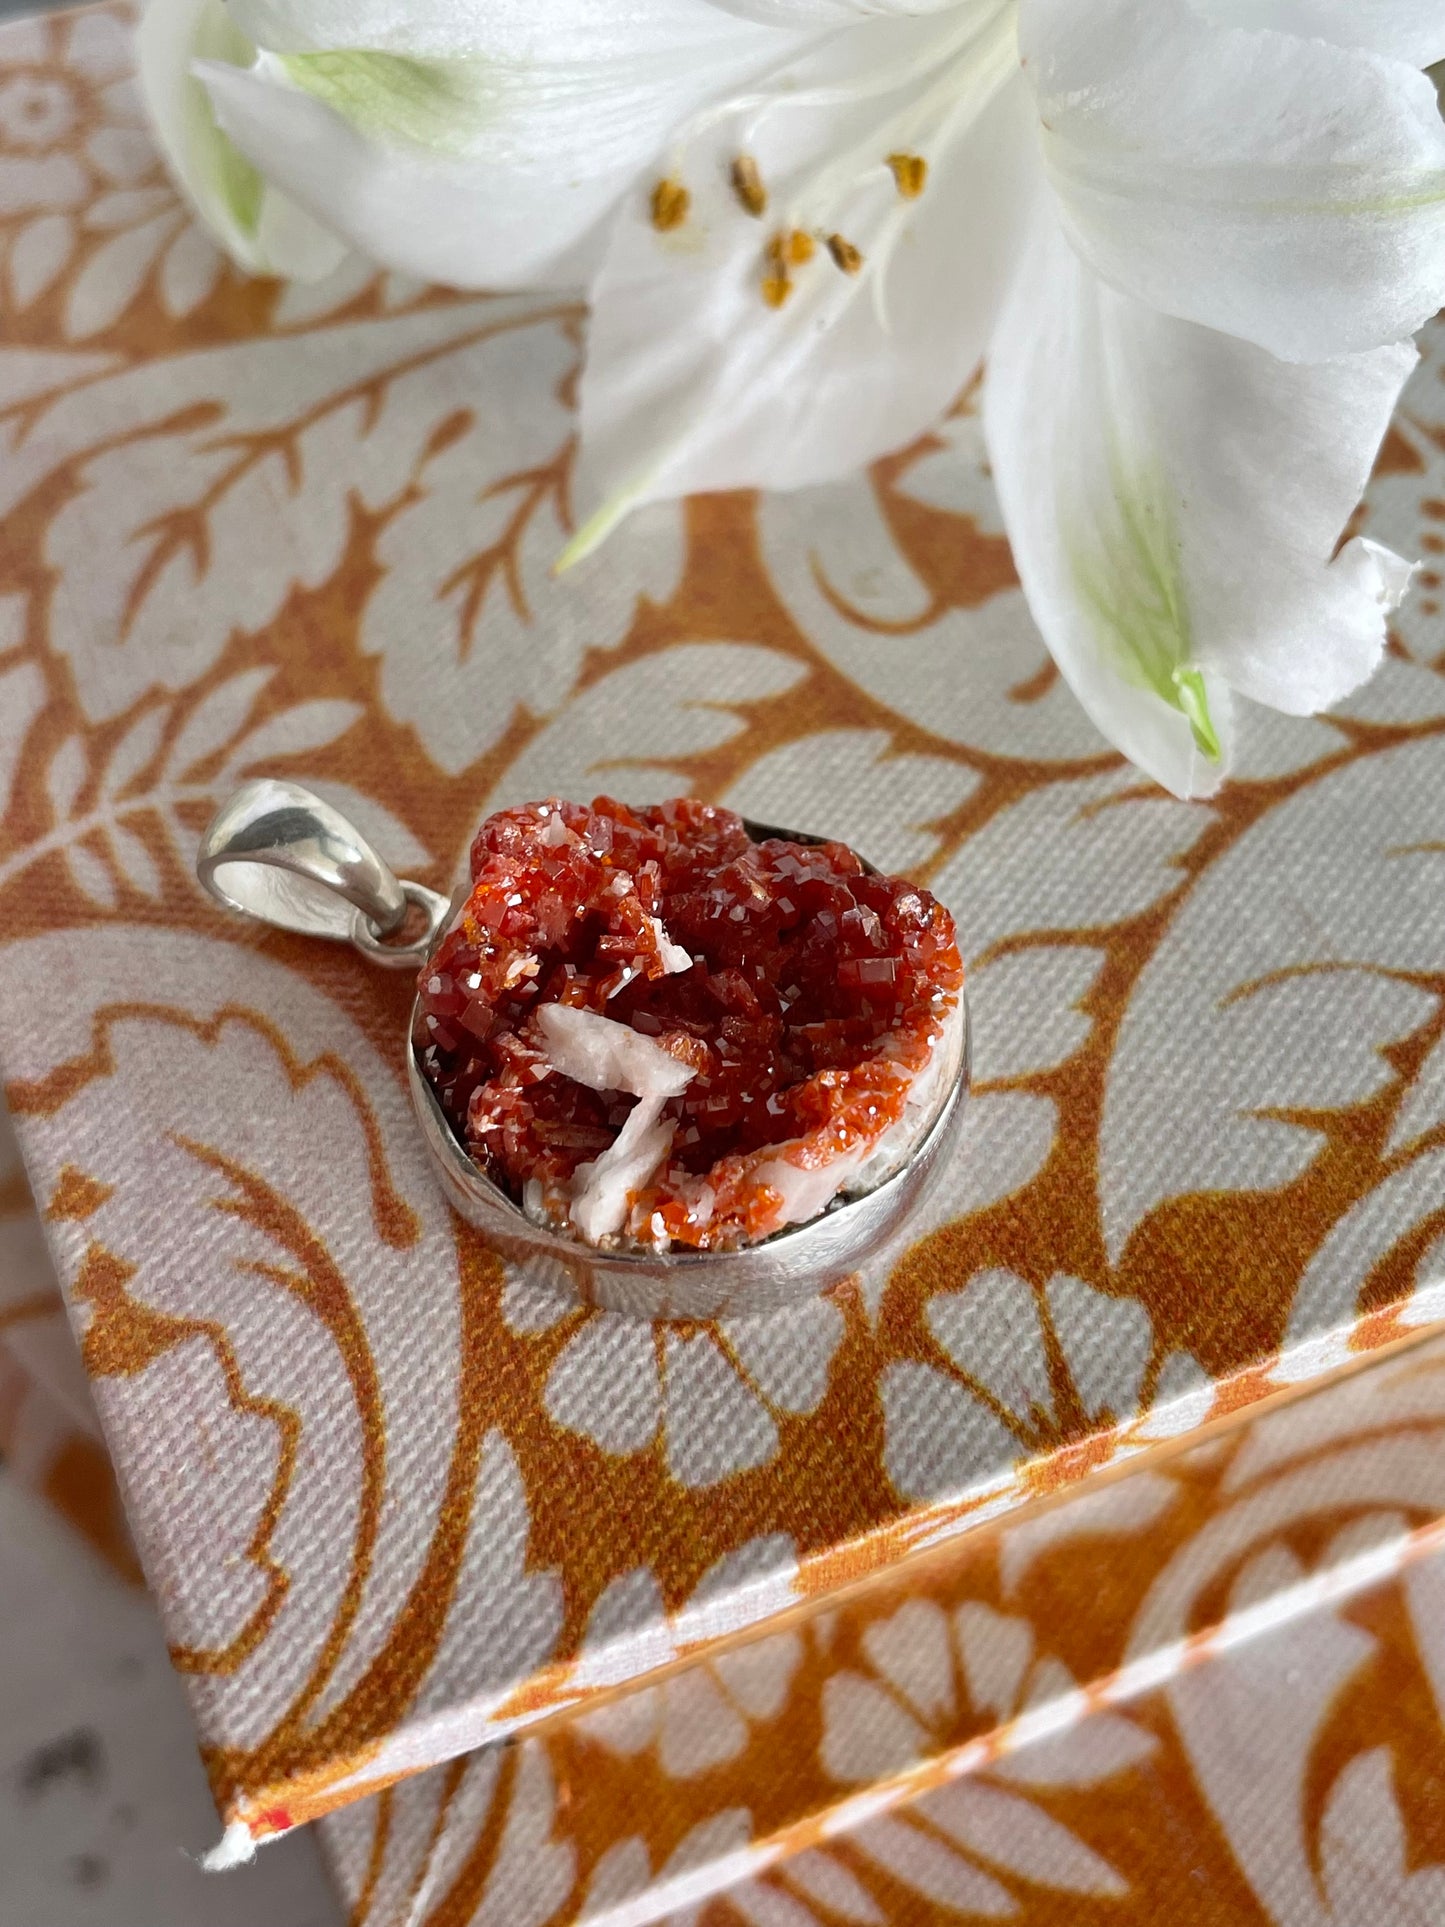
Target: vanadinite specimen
[(650, 1030)]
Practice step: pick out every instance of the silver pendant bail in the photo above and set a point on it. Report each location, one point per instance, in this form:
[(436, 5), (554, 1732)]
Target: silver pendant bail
[(282, 855)]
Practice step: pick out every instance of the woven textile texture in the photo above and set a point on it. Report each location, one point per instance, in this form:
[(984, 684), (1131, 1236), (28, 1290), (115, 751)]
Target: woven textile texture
[(49, 1435), (1210, 1689), (1285, 1762), (392, 1499)]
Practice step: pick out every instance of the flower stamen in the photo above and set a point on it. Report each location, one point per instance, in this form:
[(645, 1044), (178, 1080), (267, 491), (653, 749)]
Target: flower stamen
[(910, 174), (845, 255), (748, 186), (788, 248), (670, 204)]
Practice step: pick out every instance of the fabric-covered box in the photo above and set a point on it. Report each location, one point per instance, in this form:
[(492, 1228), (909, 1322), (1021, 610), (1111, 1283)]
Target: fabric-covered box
[(49, 1436), (1211, 1688)]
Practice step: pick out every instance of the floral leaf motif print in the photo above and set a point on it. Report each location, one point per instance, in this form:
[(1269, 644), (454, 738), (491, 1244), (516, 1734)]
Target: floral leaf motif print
[(22, 697), (111, 842), (38, 253), (956, 1841), (65, 778), (851, 784), (215, 721), (715, 1396), (135, 863), (1422, 1112), (91, 875), (132, 753), (292, 732), (303, 1256), (1290, 969), (1425, 1599), (1028, 1010), (1319, 1653), (469, 584), (953, 473), (33, 382), (1069, 856), (115, 273), (432, 1825), (625, 1872), (1386, 1223), (821, 1878), (190, 269), (202, 1416), (916, 1858), (1363, 1850), (637, 732), (524, 1605), (1028, 1014), (1014, 1834), (210, 486), (703, 1716), (956, 654), (960, 1430), (95, 202)]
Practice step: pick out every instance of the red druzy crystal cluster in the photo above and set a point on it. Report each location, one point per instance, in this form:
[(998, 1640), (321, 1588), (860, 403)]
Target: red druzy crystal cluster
[(804, 993)]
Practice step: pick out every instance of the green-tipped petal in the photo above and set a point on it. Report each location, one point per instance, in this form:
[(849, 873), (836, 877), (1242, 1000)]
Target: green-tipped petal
[(1175, 500), (259, 228), (440, 104)]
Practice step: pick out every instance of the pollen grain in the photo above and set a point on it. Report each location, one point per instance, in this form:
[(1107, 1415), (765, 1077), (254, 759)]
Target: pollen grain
[(670, 204), (791, 248), (845, 255), (748, 186), (910, 172)]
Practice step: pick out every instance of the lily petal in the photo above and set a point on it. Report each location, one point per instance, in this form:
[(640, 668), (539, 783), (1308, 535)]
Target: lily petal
[(1174, 498), (257, 226), (474, 170), (1408, 30), (839, 13), (1284, 190), (513, 33), (713, 366)]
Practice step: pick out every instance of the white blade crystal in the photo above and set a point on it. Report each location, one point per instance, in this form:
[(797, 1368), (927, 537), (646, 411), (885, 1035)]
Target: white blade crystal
[(602, 1190), (608, 1056)]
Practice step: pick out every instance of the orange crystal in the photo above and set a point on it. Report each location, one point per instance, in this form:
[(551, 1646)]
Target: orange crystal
[(816, 994)]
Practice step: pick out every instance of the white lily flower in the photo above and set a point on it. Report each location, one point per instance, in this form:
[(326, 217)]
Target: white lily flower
[(1191, 238)]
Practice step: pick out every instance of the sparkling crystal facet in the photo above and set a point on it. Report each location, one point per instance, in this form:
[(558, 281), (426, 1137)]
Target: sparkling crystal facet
[(813, 1001)]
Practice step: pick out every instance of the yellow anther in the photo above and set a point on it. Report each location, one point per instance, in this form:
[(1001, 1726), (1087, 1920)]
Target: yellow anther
[(844, 254), (670, 204), (776, 289), (910, 172), (790, 248), (748, 186)]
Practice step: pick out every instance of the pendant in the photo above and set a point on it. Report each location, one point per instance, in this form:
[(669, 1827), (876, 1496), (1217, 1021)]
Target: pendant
[(281, 855)]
